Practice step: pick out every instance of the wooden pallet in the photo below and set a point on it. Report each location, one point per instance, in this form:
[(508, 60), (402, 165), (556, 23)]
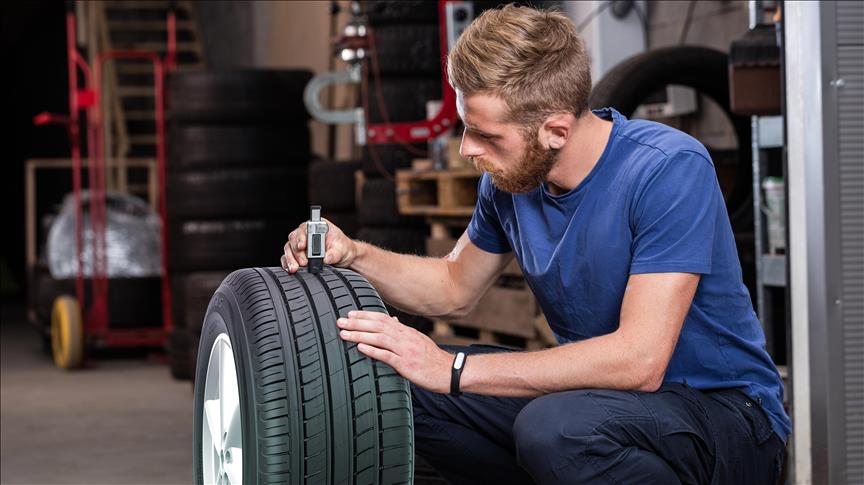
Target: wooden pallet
[(449, 193), (451, 333)]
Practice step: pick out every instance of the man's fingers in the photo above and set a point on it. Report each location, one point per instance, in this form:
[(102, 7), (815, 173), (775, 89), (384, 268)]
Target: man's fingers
[(363, 325), (361, 314), (385, 356), (288, 263), (380, 340)]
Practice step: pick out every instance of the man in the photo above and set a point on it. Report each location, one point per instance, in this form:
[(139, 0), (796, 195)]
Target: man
[(621, 231)]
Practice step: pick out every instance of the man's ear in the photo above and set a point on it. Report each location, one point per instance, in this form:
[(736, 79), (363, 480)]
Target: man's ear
[(556, 130)]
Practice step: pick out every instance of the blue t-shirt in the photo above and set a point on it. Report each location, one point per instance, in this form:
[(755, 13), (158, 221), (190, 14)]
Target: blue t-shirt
[(651, 204)]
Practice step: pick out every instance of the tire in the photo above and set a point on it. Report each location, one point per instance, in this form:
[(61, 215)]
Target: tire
[(384, 160), (191, 293), (332, 185), (179, 355), (67, 333), (302, 405), (378, 206), (400, 240), (383, 12), (408, 49), (212, 245), (422, 324), (404, 98), (700, 68), (252, 96), (239, 192), (195, 147), (348, 222), (132, 302)]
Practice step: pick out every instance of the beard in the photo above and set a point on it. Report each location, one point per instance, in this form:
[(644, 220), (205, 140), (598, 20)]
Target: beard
[(531, 170)]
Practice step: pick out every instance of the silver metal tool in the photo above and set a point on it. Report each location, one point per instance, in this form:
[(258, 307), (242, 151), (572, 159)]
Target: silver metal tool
[(316, 234)]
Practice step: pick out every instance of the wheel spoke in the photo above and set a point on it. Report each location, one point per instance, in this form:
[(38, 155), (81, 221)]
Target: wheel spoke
[(233, 433), (214, 425), (230, 395), (222, 440), (235, 467)]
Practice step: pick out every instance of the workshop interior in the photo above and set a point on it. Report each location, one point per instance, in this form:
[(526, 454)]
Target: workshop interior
[(161, 152)]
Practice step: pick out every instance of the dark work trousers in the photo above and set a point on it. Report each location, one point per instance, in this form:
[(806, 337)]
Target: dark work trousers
[(675, 435)]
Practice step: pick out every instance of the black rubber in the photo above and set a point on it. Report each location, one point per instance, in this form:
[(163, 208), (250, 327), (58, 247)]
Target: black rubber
[(348, 222), (180, 354), (404, 98), (212, 245), (703, 69), (381, 12), (313, 409), (382, 160), (190, 294), (208, 146), (238, 96), (332, 184), (378, 205), (408, 49), (396, 239), (237, 192)]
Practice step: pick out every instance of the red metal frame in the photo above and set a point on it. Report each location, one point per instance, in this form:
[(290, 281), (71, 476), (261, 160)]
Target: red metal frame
[(418, 131), (96, 316)]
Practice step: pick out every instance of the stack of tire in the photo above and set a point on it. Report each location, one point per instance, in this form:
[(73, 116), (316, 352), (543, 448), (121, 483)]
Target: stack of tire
[(238, 160), (408, 53), (333, 186)]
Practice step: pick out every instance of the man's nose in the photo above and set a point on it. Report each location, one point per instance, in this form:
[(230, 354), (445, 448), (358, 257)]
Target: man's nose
[(469, 148)]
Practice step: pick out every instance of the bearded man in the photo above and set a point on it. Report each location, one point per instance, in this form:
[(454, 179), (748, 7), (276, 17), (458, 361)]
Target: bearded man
[(621, 231)]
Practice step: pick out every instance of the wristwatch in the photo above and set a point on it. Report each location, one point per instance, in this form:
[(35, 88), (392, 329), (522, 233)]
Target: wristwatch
[(456, 373)]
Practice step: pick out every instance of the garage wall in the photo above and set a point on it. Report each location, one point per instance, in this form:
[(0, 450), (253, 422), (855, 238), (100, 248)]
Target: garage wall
[(714, 24), (297, 35), (278, 35)]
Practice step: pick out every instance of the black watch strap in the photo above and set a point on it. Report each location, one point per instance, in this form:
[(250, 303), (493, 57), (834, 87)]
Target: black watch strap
[(456, 373)]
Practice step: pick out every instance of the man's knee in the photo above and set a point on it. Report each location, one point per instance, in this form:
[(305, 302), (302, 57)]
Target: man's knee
[(538, 430)]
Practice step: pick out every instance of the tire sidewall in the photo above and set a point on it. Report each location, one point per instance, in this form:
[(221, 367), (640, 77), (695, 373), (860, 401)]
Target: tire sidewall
[(223, 316)]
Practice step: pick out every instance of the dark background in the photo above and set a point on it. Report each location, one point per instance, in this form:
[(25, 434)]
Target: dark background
[(35, 80)]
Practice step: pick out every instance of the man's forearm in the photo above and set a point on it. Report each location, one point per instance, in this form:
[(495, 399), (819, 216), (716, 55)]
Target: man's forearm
[(416, 284), (607, 362)]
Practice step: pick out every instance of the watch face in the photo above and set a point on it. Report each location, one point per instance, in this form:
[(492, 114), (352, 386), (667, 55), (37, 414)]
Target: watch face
[(460, 359)]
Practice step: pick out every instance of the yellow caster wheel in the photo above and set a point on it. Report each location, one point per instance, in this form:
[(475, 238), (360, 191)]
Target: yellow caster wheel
[(67, 333)]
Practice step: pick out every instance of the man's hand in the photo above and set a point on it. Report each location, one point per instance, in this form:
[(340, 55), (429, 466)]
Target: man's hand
[(341, 250), (413, 355)]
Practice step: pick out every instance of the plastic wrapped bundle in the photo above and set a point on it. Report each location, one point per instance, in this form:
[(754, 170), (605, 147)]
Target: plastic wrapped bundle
[(132, 238)]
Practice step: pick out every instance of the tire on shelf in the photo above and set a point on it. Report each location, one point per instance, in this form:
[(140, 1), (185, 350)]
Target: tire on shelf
[(193, 147), (238, 96), (378, 205), (383, 160), (332, 185), (179, 354), (404, 98), (408, 49), (212, 245), (382, 12), (347, 222), (236, 192), (629, 83), (279, 397)]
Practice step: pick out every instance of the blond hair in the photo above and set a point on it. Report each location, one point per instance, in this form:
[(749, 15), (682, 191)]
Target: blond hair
[(533, 59)]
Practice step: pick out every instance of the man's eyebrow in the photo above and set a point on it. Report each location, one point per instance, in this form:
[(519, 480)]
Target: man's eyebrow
[(478, 130)]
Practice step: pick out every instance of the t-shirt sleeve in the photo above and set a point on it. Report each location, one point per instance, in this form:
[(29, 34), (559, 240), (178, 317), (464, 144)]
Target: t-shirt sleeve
[(674, 216), (485, 229)]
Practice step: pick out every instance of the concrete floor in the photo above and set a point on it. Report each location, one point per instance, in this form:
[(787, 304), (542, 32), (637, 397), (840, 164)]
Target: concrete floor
[(124, 420)]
